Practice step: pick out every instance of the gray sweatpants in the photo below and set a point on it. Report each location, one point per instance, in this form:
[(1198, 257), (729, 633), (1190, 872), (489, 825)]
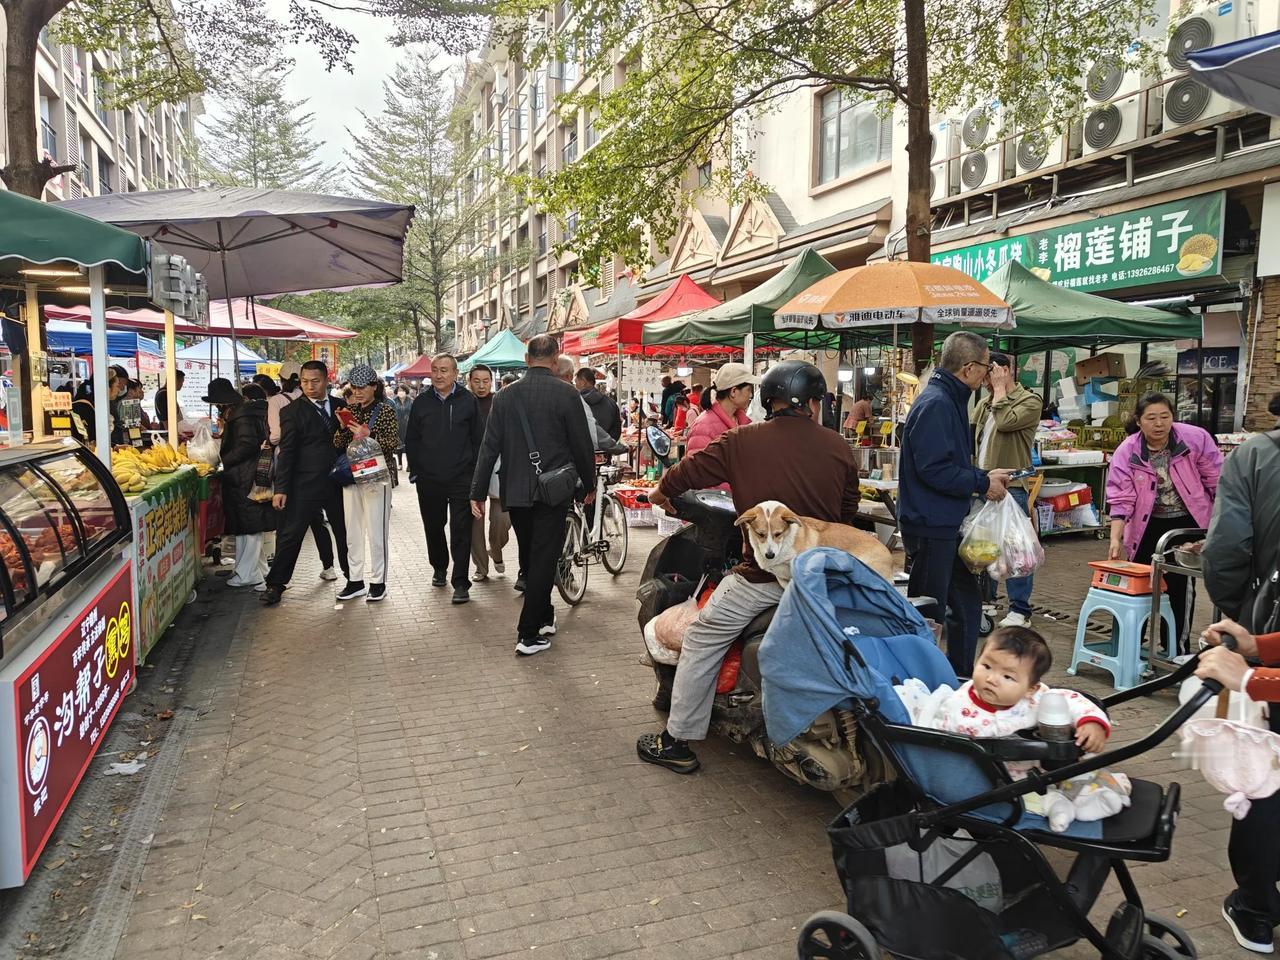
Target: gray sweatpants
[(735, 604)]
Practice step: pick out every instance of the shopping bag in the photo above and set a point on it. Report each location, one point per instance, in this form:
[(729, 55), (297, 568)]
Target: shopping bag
[(264, 474), (202, 446), (1230, 742), (1000, 541)]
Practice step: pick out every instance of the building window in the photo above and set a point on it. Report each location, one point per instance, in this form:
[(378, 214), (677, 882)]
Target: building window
[(48, 136), (542, 243), (538, 96), (590, 136), (571, 226), (850, 135), (518, 129), (46, 41), (104, 175), (86, 153), (569, 66), (570, 151), (704, 175)]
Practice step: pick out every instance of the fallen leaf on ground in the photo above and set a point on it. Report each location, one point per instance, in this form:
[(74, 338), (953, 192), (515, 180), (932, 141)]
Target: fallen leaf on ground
[(55, 864), (198, 916), (236, 806), (164, 715), (655, 901)]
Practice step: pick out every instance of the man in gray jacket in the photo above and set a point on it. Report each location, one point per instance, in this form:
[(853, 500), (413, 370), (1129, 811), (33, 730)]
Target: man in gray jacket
[(1243, 543), (558, 426)]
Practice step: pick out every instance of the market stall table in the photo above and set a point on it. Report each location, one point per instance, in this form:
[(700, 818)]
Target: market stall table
[(68, 637)]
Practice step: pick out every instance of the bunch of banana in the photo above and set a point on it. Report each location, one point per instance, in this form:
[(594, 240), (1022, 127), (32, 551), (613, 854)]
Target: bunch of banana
[(202, 468), (162, 457), (130, 480), (133, 457)]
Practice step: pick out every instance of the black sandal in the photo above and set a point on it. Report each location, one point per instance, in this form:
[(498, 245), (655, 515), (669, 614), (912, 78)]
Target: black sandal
[(665, 750)]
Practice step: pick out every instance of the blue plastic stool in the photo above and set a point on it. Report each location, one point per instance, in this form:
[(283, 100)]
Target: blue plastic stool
[(1124, 653)]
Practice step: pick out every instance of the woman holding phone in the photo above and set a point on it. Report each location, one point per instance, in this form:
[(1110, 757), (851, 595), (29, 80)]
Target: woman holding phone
[(368, 505)]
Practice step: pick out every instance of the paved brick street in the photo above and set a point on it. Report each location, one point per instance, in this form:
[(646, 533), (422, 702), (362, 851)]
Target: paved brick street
[(391, 781)]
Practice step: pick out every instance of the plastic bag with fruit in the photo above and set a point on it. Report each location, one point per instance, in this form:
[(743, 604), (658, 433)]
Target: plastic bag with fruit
[(202, 446), (1000, 540)]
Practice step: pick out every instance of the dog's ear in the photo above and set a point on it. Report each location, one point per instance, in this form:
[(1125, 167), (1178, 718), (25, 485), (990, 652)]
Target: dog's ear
[(747, 516), (789, 516)]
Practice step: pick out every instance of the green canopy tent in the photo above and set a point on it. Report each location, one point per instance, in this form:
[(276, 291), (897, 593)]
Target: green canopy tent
[(44, 248), (1050, 317), (750, 314), (503, 352)]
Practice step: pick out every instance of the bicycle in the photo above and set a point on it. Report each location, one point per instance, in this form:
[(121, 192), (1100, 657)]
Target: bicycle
[(604, 541)]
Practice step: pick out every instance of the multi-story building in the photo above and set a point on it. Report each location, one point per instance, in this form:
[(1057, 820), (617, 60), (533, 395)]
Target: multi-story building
[(1158, 159), (113, 150)]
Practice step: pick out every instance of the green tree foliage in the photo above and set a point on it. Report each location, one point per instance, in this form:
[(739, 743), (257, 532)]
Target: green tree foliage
[(699, 73), (416, 150), (256, 137), (178, 49)]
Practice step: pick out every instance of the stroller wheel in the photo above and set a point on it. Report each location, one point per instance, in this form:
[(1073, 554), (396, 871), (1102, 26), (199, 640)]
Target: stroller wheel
[(986, 625), (830, 935), (1166, 939)]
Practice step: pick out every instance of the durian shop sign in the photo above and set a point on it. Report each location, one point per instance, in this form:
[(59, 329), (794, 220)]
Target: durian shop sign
[(1181, 240)]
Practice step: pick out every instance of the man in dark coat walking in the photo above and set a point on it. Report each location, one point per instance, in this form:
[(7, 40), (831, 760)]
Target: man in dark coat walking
[(552, 412), (442, 440), (303, 487), (601, 405)]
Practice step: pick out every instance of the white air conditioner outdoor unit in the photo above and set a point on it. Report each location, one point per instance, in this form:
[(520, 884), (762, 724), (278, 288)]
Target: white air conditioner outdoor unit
[(944, 165), (1040, 147), (980, 164), (1186, 100), (1113, 117)]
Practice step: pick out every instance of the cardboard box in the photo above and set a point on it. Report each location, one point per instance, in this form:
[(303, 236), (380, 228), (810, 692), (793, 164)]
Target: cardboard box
[(1108, 408), (1103, 365), (1067, 388)]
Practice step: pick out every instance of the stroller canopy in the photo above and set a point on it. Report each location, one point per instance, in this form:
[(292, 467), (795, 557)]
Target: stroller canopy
[(842, 632)]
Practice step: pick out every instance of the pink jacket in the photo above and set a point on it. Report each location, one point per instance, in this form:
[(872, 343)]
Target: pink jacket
[(1194, 466), (710, 425)]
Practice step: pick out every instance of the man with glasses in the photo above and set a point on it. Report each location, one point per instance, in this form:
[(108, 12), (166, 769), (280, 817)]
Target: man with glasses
[(936, 486)]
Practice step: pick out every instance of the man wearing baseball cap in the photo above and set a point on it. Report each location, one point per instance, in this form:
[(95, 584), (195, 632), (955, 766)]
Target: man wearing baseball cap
[(289, 392), (726, 406)]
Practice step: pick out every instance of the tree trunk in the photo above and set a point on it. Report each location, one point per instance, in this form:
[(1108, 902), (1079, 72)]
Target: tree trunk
[(417, 330), (437, 321), (918, 216), (386, 352), (25, 173)]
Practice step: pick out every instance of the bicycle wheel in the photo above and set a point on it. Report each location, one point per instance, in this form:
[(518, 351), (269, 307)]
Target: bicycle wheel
[(613, 530), (571, 568)]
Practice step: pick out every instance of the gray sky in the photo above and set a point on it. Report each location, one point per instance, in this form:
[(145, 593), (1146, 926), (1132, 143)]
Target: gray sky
[(336, 96)]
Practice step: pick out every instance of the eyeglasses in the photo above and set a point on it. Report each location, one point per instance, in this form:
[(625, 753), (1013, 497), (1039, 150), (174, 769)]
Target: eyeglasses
[(979, 363)]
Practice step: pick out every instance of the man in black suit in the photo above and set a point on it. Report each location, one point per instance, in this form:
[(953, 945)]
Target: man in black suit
[(303, 487), (557, 423)]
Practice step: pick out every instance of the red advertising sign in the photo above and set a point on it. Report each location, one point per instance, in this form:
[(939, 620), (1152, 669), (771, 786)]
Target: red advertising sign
[(65, 702), (326, 351)]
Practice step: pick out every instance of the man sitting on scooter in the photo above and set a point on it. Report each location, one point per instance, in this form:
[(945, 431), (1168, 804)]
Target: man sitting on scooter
[(791, 458)]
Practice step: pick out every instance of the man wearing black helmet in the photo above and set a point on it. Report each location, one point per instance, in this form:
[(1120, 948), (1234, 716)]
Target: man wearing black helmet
[(790, 457)]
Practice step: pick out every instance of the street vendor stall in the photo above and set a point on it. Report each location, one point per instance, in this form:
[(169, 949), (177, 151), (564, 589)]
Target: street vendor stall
[(503, 352)]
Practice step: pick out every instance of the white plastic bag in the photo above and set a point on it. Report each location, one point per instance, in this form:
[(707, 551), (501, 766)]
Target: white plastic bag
[(1001, 540), (669, 626), (368, 462), (202, 446), (979, 880)]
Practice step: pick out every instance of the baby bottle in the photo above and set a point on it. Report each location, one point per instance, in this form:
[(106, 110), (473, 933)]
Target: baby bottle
[(1054, 719)]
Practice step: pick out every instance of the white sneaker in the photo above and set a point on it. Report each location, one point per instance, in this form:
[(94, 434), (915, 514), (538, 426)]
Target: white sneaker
[(328, 573), (1015, 620), (234, 581), (548, 629), (527, 648), (260, 587)]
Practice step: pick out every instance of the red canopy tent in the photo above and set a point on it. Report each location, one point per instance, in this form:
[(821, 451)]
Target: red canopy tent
[(419, 368), (622, 334), (257, 321)]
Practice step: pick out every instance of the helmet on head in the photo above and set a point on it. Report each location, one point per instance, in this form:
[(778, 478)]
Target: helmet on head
[(794, 381)]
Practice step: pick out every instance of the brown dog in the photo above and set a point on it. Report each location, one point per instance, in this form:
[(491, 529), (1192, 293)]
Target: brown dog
[(778, 535)]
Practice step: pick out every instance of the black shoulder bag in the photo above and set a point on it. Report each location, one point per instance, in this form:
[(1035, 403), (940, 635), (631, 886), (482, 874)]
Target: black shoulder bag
[(555, 487)]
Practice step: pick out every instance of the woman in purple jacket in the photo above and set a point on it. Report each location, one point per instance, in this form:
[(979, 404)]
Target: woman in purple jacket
[(1162, 478)]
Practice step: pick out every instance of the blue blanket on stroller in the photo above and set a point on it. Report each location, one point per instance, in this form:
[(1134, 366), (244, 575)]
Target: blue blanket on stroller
[(836, 599)]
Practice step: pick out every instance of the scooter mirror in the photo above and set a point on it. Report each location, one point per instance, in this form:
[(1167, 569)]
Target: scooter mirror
[(658, 442)]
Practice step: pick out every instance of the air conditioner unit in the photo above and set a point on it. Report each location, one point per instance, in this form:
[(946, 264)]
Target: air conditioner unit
[(1041, 147), (944, 145), (980, 163), (1113, 117), (1186, 100)]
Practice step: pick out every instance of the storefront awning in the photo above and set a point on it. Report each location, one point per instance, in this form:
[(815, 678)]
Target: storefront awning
[(503, 352), (41, 233)]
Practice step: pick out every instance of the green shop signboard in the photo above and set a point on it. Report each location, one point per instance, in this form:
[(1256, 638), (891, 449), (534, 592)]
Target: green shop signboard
[(1171, 241)]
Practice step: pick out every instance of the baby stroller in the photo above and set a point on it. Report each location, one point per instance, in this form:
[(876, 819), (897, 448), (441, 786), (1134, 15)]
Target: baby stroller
[(945, 837)]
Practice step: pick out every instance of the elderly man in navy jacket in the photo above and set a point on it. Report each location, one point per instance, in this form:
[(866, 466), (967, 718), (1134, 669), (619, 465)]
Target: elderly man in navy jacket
[(937, 482)]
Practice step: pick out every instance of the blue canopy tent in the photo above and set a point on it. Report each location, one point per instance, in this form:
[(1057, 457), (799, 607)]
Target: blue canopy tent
[(1246, 71), (76, 338)]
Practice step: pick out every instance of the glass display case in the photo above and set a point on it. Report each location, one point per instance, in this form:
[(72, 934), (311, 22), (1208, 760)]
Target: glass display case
[(62, 519)]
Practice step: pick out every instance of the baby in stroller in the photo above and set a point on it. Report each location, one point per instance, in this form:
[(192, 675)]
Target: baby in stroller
[(1003, 698)]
